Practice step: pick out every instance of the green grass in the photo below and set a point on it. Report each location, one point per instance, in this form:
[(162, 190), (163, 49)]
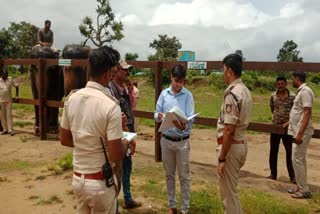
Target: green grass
[(54, 199), (254, 201), (205, 197), (22, 123), (208, 101), (63, 164), (15, 164)]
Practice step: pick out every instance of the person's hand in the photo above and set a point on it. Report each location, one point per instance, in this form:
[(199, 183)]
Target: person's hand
[(124, 119), (221, 169), (179, 125), (285, 124), (298, 138), (132, 147), (160, 115)]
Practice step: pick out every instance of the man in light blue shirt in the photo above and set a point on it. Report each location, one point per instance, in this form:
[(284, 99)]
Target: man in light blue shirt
[(175, 146)]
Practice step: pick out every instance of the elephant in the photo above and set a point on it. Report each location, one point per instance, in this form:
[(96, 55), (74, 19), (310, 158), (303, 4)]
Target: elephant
[(75, 76), (54, 89)]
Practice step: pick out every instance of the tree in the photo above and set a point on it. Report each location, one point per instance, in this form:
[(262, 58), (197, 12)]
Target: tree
[(24, 37), (18, 40), (5, 41), (131, 56), (289, 52), (107, 29), (166, 48)]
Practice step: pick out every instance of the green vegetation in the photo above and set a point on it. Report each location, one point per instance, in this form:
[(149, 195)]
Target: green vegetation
[(254, 201), (107, 29), (62, 165), (15, 164), (54, 199), (205, 198), (208, 94)]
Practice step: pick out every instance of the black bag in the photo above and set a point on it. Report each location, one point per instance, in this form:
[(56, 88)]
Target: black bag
[(107, 169)]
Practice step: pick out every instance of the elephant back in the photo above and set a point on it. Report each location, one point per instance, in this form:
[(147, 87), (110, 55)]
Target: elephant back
[(43, 52), (74, 76)]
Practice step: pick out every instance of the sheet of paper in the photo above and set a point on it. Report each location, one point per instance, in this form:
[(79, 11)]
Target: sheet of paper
[(167, 122), (129, 135)]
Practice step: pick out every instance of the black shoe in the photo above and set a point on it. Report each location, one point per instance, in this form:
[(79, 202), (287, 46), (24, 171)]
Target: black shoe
[(271, 177), (4, 132), (293, 180), (131, 204)]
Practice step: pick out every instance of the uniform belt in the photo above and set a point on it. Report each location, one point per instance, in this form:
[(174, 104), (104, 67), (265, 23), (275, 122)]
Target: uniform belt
[(93, 176), (175, 139), (220, 141)]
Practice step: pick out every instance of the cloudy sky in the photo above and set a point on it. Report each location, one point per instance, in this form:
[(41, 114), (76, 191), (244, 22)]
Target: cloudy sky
[(211, 28)]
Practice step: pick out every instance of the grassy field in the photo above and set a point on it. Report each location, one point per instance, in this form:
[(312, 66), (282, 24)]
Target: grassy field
[(208, 100), (149, 181)]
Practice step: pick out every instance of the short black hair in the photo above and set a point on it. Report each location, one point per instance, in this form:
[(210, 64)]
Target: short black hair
[(179, 71), (281, 78), (300, 75), (234, 61), (47, 21), (102, 59)]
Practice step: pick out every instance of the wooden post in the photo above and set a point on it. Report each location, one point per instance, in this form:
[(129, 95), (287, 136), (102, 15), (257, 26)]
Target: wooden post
[(42, 99), (158, 89)]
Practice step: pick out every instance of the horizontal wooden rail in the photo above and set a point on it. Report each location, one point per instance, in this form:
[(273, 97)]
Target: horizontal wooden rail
[(259, 127), (26, 101), (53, 103), (261, 66)]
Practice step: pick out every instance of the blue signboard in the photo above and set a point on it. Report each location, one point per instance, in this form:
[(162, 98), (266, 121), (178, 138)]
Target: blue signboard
[(186, 56)]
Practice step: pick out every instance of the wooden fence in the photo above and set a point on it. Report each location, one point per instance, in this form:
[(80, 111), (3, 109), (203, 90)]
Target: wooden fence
[(158, 66)]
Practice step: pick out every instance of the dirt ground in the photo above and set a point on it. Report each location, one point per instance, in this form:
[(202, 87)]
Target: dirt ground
[(26, 185)]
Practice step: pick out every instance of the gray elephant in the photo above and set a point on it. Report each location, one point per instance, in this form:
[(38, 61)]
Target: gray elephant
[(75, 76), (54, 89)]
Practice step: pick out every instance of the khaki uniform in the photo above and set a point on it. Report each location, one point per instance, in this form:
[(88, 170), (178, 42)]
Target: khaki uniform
[(6, 103), (304, 98), (235, 109), (90, 114)]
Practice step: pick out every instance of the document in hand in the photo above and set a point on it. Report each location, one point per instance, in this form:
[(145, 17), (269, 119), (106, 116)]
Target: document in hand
[(129, 135), (174, 114)]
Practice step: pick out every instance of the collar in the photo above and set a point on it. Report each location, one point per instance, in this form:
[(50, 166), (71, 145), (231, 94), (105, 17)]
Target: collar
[(98, 86), (232, 84), (95, 85), (286, 90), (182, 91), (121, 88), (302, 86)]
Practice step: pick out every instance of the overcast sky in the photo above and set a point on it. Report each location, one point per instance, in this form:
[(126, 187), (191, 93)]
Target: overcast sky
[(211, 28)]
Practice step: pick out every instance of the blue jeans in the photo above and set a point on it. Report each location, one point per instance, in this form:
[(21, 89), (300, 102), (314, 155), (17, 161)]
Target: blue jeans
[(126, 172)]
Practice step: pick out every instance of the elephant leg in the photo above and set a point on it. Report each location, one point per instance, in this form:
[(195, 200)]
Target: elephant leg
[(34, 76)]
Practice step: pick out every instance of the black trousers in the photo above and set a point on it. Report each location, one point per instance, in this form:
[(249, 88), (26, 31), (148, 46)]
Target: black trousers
[(274, 149)]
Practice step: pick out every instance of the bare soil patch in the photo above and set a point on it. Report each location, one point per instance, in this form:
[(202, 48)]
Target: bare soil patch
[(26, 185)]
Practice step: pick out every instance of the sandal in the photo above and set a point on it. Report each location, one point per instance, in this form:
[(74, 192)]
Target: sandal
[(301, 195), (293, 190)]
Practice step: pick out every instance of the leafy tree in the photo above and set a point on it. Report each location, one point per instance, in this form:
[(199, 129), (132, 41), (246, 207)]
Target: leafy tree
[(18, 40), (24, 36), (5, 41), (131, 56), (166, 48), (107, 29), (289, 52)]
